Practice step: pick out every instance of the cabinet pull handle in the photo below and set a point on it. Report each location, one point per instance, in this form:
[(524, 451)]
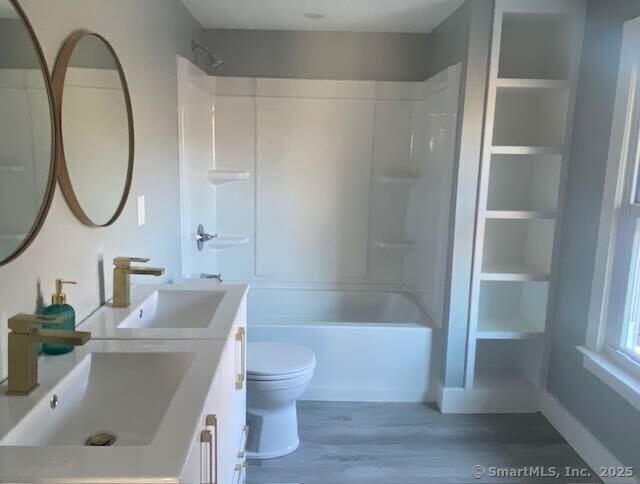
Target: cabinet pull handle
[(243, 442), (240, 471), (240, 337), (205, 438), (212, 421)]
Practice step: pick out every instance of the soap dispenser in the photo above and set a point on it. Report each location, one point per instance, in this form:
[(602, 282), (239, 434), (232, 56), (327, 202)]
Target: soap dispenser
[(60, 309)]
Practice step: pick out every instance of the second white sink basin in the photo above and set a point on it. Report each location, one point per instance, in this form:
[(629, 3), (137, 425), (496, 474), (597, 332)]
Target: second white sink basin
[(122, 395), (175, 309), (194, 309)]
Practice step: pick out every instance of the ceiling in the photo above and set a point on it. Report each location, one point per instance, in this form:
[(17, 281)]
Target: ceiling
[(415, 16)]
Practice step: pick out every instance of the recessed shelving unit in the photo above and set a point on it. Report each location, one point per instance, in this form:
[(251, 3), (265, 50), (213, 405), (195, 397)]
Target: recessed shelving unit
[(220, 176), (531, 94)]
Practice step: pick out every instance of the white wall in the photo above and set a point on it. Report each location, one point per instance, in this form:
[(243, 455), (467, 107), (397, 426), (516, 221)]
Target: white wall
[(314, 209), (147, 34)]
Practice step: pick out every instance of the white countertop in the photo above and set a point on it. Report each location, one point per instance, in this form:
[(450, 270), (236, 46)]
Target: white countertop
[(103, 324), (159, 461)]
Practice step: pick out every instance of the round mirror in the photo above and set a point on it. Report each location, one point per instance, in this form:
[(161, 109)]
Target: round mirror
[(27, 133), (96, 129)]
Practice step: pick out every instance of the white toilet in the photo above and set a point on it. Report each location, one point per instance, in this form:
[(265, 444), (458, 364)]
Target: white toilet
[(277, 374)]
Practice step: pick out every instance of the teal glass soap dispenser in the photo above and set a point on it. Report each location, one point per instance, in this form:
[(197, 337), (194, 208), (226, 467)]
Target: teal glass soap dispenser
[(60, 309)]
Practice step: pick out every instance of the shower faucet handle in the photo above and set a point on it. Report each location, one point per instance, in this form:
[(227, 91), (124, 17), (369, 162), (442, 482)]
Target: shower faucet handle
[(217, 277)]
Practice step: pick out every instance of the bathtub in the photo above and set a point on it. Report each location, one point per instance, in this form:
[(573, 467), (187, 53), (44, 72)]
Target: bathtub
[(369, 346)]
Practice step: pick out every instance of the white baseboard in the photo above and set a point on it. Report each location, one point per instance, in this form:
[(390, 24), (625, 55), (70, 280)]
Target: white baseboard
[(592, 451), (463, 400), (450, 400)]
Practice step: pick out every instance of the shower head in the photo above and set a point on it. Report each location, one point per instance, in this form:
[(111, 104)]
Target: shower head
[(215, 61)]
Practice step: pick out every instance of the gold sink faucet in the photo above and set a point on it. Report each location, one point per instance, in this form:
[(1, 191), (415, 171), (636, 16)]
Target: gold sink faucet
[(25, 334), (122, 272)]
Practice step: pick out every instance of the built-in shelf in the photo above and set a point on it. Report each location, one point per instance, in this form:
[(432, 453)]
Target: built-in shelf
[(526, 150), (524, 183), (530, 117), (219, 176), (533, 83), (227, 241), (507, 329), (511, 272), (518, 215), (501, 379), (406, 180), (394, 244)]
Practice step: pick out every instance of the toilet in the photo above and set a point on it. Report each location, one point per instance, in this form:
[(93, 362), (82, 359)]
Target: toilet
[(277, 375)]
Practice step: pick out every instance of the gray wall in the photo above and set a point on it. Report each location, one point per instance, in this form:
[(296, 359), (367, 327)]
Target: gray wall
[(464, 37), (614, 421), (320, 55), (147, 34)]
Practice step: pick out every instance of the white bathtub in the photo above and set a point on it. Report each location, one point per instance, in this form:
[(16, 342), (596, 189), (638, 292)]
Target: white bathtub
[(370, 346)]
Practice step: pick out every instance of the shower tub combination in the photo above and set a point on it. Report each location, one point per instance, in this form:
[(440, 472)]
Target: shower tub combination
[(369, 346)]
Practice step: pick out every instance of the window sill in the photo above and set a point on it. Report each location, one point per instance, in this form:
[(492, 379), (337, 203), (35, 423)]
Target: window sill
[(620, 380)]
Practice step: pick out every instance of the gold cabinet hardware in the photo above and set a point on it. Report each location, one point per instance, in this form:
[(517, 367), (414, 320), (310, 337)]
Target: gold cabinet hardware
[(241, 338), (243, 442), (211, 420), (205, 439)]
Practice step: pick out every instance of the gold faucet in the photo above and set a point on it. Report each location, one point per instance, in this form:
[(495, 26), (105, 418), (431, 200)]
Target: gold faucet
[(122, 271), (23, 355)]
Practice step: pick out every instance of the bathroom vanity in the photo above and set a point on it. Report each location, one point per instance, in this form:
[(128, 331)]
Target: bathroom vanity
[(160, 388)]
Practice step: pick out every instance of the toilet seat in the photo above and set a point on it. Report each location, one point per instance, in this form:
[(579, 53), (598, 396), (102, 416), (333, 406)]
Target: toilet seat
[(269, 361)]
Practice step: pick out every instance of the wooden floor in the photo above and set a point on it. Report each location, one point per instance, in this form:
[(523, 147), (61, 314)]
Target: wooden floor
[(373, 443)]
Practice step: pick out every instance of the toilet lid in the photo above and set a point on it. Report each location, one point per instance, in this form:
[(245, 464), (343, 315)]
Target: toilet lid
[(274, 359)]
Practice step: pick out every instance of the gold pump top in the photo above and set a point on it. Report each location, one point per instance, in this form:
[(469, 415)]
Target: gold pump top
[(59, 297)]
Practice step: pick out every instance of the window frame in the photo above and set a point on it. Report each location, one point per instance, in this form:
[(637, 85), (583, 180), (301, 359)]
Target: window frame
[(619, 233)]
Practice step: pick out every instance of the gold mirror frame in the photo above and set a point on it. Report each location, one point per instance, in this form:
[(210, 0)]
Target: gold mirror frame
[(51, 180), (59, 76)]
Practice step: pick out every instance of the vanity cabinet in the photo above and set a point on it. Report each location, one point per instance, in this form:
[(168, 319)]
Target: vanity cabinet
[(217, 454)]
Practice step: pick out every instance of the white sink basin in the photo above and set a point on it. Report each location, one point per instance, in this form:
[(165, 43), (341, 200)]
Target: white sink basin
[(175, 309), (147, 394), (124, 395), (194, 309)]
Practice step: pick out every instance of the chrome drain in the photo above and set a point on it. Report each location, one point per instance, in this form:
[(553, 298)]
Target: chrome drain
[(101, 439)]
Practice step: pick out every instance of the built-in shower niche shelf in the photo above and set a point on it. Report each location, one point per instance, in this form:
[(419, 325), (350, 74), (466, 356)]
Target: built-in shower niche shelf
[(219, 176), (403, 245), (227, 241), (408, 181)]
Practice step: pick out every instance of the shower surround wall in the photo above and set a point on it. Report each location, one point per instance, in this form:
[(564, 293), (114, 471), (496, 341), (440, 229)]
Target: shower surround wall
[(332, 165)]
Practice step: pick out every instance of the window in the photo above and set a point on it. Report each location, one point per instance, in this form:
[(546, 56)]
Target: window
[(613, 340)]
